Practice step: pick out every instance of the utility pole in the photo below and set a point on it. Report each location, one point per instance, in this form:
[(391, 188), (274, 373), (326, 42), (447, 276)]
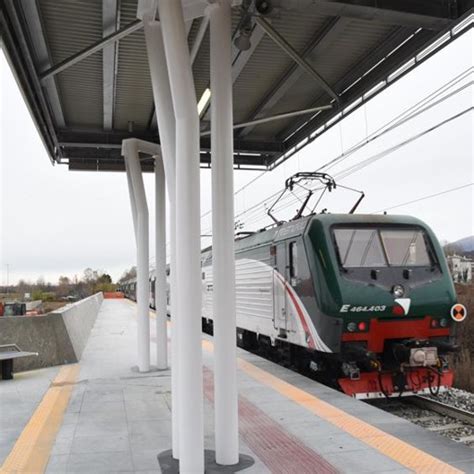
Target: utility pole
[(8, 276)]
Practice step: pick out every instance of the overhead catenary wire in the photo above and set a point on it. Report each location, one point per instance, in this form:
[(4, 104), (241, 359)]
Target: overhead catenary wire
[(358, 166), (408, 114), (348, 171), (238, 191), (424, 198), (383, 130), (344, 173), (253, 213)]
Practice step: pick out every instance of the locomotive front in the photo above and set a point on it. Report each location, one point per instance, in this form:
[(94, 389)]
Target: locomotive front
[(385, 280)]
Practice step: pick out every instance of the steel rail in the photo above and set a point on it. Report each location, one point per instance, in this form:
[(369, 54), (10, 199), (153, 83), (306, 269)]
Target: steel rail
[(443, 409)]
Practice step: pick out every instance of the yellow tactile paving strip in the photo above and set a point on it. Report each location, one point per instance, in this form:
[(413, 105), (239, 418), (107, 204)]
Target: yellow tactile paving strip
[(150, 313), (32, 449), (400, 451), (392, 447)]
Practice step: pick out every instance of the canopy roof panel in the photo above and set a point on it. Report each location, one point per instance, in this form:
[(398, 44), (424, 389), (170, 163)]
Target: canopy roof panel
[(87, 94)]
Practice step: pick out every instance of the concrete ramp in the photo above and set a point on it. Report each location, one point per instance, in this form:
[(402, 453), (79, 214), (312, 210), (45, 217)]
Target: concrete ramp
[(58, 337)]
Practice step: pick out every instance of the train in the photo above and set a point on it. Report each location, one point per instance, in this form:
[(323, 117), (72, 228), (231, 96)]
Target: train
[(364, 302)]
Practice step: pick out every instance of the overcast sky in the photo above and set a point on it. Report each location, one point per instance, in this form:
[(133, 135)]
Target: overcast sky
[(56, 222)]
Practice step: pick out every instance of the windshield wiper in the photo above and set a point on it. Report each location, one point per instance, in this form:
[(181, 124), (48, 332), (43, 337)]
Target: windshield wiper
[(349, 247), (367, 248), (407, 254)]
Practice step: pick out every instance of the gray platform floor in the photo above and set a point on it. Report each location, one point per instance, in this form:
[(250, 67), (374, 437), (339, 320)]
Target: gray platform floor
[(118, 420), (18, 401)]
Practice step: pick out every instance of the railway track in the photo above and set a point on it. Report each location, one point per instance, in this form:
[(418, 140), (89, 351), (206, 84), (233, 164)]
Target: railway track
[(435, 416), (431, 414), (437, 406)]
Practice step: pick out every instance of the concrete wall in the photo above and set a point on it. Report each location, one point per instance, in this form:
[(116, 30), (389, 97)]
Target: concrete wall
[(59, 337)]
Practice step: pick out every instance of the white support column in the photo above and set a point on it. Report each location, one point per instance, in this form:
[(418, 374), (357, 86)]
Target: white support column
[(133, 206), (167, 130), (191, 437), (160, 266), (130, 152), (223, 264)]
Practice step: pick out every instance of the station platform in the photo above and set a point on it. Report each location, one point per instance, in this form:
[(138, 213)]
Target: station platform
[(102, 416)]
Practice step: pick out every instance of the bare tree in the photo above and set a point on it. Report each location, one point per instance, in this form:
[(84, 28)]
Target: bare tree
[(40, 284), (64, 286), (128, 274), (23, 287)]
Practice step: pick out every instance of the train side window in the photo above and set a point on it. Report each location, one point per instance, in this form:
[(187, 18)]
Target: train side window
[(293, 259), (273, 253)]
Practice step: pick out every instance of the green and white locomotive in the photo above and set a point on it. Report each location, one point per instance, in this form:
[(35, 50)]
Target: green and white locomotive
[(366, 301)]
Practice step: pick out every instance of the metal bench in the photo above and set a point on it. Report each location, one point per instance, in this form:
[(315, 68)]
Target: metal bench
[(8, 352)]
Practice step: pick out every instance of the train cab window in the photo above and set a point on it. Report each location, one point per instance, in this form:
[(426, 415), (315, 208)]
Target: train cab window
[(380, 247), (293, 260), (273, 255), (405, 247), (359, 248)]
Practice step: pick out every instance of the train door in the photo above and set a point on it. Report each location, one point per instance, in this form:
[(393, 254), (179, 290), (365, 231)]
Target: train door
[(280, 295), (285, 276)]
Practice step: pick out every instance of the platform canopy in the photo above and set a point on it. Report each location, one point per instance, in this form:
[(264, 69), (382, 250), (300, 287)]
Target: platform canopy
[(83, 69)]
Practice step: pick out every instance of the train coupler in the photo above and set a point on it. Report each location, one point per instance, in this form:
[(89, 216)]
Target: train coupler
[(351, 370), (415, 381)]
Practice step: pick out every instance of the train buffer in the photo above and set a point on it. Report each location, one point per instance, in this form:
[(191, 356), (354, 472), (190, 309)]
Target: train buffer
[(9, 352)]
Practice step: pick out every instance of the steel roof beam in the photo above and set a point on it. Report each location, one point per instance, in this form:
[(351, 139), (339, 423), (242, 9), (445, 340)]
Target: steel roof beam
[(93, 48), (99, 139), (290, 51), (199, 37), (79, 164), (98, 151), (110, 19), (272, 118), (322, 41), (375, 76), (397, 37), (43, 58), (431, 15), (18, 51), (89, 156), (99, 136)]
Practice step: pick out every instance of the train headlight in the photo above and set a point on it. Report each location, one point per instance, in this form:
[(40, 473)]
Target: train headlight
[(398, 291), (443, 322), (352, 326)]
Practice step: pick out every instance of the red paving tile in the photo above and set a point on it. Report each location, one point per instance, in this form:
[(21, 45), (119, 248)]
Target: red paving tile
[(279, 450)]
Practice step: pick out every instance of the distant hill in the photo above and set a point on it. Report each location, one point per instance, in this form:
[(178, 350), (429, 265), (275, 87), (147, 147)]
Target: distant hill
[(461, 247), (466, 244)]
